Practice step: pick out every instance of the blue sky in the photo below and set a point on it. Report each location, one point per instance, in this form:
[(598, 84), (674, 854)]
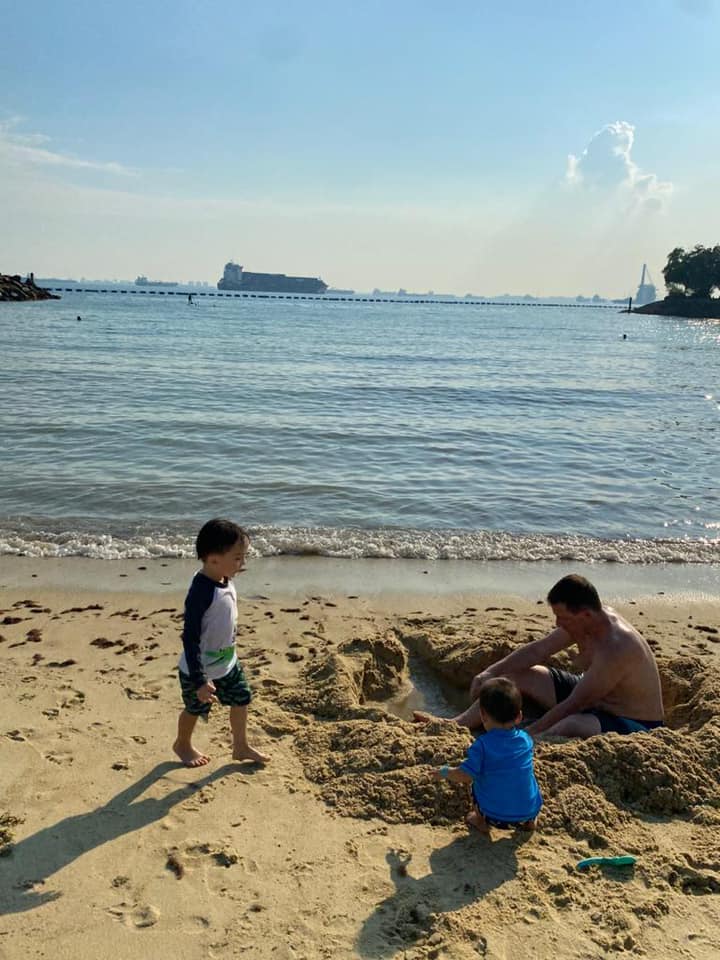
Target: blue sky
[(390, 144)]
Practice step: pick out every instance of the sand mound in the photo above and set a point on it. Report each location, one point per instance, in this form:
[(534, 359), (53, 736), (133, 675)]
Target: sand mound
[(691, 692), (591, 787), (334, 686), (369, 763), (381, 768), (7, 822)]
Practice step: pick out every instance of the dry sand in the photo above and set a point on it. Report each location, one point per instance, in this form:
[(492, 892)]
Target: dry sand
[(343, 846)]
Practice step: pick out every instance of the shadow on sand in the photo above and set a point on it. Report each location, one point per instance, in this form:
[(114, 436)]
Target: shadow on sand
[(460, 873), (32, 860)]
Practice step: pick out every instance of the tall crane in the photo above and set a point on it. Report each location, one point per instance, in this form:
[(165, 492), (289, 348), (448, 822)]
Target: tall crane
[(646, 292)]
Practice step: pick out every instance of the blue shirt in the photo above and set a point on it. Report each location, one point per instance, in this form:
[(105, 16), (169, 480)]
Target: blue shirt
[(504, 785)]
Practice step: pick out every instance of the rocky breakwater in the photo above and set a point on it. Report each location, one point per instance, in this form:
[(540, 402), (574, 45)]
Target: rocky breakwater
[(16, 289), (695, 308)]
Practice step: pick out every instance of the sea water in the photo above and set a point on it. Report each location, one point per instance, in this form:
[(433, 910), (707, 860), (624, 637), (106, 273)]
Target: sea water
[(353, 429)]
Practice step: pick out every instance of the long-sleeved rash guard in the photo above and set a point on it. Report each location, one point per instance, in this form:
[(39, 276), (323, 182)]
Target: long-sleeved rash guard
[(209, 631)]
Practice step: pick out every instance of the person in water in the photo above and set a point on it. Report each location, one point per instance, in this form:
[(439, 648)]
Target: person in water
[(616, 689)]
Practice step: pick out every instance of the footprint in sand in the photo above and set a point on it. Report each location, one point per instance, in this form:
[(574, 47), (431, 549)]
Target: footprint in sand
[(151, 692), (210, 859), (198, 796), (104, 643), (691, 881), (135, 915), (20, 735), (92, 606), (76, 699), (60, 757)]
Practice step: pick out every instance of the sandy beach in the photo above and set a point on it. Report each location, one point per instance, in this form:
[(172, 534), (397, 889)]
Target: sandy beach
[(342, 846)]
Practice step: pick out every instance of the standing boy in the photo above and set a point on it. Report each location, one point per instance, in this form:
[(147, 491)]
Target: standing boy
[(209, 669), (499, 764)]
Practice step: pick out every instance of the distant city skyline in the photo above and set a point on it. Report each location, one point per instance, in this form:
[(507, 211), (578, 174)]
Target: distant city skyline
[(463, 148), (375, 291)]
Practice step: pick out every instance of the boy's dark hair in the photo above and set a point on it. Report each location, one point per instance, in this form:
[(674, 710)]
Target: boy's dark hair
[(500, 699), (218, 536), (576, 593)]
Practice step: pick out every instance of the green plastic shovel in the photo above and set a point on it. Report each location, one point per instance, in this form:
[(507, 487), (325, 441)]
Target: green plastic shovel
[(625, 861)]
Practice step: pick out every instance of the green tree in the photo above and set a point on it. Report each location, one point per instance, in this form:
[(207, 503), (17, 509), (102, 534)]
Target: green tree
[(693, 273)]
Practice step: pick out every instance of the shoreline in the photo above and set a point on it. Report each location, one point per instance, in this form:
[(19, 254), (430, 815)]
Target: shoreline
[(380, 579)]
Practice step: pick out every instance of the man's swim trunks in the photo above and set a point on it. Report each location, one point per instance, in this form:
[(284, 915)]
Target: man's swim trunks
[(565, 682), (232, 690)]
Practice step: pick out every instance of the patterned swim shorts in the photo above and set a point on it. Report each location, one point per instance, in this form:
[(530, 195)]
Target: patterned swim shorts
[(232, 690)]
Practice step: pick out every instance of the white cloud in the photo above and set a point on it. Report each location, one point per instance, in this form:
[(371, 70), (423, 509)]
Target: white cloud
[(606, 164), (28, 149)]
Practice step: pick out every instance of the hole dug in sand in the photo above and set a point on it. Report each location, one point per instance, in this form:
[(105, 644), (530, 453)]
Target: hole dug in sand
[(370, 763)]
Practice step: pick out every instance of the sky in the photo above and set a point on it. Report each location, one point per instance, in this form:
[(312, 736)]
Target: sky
[(519, 146)]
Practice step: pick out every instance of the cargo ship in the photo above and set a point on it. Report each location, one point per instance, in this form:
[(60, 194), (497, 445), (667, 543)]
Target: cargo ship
[(236, 278), (142, 281)]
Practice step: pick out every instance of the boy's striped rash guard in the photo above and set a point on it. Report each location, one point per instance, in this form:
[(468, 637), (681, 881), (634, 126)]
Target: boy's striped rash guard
[(209, 631)]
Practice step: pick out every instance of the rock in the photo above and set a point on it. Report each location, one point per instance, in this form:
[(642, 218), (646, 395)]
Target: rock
[(14, 289)]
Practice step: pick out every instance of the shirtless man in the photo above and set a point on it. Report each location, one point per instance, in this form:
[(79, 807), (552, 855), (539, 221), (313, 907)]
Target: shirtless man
[(618, 689)]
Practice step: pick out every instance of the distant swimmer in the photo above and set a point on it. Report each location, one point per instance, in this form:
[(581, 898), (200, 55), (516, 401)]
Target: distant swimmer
[(190, 298), (624, 336), (79, 317)]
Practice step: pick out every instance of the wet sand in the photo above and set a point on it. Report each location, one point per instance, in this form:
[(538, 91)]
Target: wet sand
[(343, 846), (288, 576)]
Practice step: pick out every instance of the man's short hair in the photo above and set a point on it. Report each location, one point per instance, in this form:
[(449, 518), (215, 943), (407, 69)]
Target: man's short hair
[(576, 593), (218, 536), (500, 699)]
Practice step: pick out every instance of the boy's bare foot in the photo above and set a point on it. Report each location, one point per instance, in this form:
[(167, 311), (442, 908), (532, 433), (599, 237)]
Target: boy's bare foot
[(247, 753), (478, 822), (190, 756), (527, 826)]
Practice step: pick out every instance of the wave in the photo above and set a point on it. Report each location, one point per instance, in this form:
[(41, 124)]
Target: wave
[(352, 543)]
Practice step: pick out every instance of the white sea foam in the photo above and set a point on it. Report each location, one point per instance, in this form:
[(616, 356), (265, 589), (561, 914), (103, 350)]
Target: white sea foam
[(351, 543)]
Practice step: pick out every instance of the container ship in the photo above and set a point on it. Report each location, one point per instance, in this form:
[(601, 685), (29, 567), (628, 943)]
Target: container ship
[(236, 278), (142, 281)]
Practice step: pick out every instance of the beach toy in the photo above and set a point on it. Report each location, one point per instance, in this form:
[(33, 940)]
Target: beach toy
[(626, 861)]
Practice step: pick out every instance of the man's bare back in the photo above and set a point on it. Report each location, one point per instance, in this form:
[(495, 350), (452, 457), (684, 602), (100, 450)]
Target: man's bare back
[(637, 692)]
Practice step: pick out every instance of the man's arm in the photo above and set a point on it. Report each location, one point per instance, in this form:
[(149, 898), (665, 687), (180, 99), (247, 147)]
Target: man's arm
[(601, 677), (537, 651)]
